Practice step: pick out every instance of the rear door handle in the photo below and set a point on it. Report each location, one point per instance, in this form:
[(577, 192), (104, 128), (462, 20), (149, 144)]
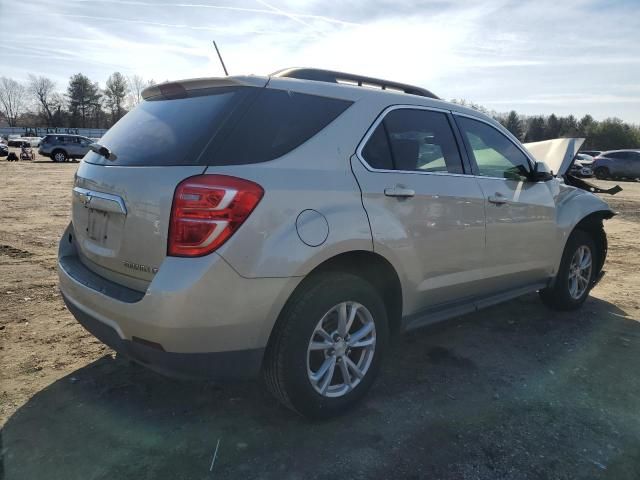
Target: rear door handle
[(497, 199), (399, 191)]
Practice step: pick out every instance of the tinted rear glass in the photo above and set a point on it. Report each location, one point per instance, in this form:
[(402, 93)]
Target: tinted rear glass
[(276, 123), (225, 126), (167, 132)]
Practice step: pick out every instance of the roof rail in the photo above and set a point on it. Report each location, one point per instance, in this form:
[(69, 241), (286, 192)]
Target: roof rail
[(331, 76)]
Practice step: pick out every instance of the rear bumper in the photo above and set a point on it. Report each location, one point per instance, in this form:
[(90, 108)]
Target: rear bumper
[(197, 317), (232, 365)]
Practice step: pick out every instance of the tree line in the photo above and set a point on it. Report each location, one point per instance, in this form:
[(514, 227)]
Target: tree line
[(608, 134), (39, 103)]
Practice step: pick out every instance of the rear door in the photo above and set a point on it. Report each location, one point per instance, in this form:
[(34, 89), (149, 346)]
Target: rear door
[(520, 214), (424, 212), (74, 147)]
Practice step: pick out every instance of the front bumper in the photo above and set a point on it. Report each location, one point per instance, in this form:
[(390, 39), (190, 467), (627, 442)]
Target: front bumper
[(197, 317)]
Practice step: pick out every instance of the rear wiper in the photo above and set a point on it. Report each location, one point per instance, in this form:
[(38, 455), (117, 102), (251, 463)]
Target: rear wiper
[(103, 151)]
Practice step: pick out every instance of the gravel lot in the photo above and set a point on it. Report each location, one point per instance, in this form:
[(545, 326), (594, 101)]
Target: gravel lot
[(515, 391)]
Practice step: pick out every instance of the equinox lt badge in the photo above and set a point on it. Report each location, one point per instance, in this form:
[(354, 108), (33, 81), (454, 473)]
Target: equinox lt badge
[(140, 268)]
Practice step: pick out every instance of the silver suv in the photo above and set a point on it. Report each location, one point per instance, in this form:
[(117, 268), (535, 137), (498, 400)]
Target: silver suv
[(617, 164), (290, 224), (62, 147)]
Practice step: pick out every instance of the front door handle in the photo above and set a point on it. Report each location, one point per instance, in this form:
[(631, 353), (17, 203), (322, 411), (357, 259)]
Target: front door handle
[(399, 191), (497, 199)]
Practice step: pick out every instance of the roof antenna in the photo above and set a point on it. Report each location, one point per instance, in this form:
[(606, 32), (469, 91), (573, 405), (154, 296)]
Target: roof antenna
[(220, 57)]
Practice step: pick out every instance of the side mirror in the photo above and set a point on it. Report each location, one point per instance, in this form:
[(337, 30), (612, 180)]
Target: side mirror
[(541, 173)]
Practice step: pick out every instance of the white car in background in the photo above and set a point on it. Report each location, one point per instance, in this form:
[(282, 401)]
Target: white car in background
[(582, 165)]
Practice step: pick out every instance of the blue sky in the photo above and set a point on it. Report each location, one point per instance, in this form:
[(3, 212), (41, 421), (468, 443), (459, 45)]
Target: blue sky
[(570, 56)]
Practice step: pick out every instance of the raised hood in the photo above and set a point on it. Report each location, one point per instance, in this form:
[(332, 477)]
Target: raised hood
[(557, 153)]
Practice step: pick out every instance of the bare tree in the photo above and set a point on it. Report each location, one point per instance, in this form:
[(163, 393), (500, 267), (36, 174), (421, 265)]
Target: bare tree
[(137, 84), (42, 89), (12, 99)]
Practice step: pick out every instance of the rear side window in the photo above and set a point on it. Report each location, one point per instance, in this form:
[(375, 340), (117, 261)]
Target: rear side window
[(413, 140), (276, 123)]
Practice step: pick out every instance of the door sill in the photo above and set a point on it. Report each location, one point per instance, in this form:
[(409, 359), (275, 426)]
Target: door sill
[(455, 309)]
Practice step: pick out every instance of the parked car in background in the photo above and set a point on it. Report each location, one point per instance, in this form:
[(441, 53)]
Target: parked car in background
[(617, 164), (14, 141), (62, 148), (290, 224), (19, 141), (591, 153), (4, 150), (582, 166)]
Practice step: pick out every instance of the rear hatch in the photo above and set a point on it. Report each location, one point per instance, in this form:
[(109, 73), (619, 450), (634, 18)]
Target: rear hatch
[(121, 207)]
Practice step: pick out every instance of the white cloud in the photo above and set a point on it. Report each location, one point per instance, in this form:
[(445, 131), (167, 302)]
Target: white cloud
[(539, 56)]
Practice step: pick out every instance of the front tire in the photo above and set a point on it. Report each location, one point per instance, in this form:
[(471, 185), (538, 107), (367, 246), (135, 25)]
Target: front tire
[(326, 348), (602, 173), (576, 274)]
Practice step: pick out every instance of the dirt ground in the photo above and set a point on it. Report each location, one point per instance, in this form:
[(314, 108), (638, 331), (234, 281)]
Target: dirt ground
[(513, 392)]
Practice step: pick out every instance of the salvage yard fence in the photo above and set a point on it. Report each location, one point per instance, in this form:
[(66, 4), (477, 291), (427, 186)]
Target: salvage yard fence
[(42, 131)]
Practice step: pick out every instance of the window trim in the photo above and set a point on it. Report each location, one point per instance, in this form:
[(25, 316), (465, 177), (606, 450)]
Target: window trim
[(509, 136), (465, 162)]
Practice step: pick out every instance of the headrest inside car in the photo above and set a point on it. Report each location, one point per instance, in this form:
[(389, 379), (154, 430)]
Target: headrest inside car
[(405, 153)]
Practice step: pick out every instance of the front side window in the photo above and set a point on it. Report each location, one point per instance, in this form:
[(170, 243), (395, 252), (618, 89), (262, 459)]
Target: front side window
[(413, 140), (495, 155)]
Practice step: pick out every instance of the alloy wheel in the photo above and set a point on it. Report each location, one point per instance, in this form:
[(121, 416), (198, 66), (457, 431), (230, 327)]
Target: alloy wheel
[(341, 349), (580, 272)]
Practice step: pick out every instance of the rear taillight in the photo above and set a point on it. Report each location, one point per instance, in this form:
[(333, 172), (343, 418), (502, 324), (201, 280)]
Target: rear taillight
[(207, 210)]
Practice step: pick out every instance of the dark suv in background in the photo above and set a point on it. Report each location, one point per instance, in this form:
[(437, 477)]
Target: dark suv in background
[(62, 148)]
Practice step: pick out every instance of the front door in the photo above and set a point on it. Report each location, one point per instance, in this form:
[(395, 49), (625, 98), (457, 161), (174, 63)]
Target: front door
[(520, 213), (425, 214)]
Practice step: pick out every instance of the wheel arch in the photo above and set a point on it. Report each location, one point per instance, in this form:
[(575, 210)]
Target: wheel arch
[(591, 222), (368, 265)]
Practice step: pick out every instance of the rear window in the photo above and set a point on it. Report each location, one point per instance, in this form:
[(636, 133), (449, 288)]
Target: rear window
[(166, 132), (225, 126)]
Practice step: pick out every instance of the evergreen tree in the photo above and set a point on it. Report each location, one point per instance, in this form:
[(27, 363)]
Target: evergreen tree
[(84, 97), (513, 124), (535, 129), (552, 127), (569, 126)]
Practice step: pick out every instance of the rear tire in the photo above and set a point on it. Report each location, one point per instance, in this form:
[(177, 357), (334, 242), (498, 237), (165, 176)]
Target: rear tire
[(308, 340), (59, 156), (602, 173), (576, 274)]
